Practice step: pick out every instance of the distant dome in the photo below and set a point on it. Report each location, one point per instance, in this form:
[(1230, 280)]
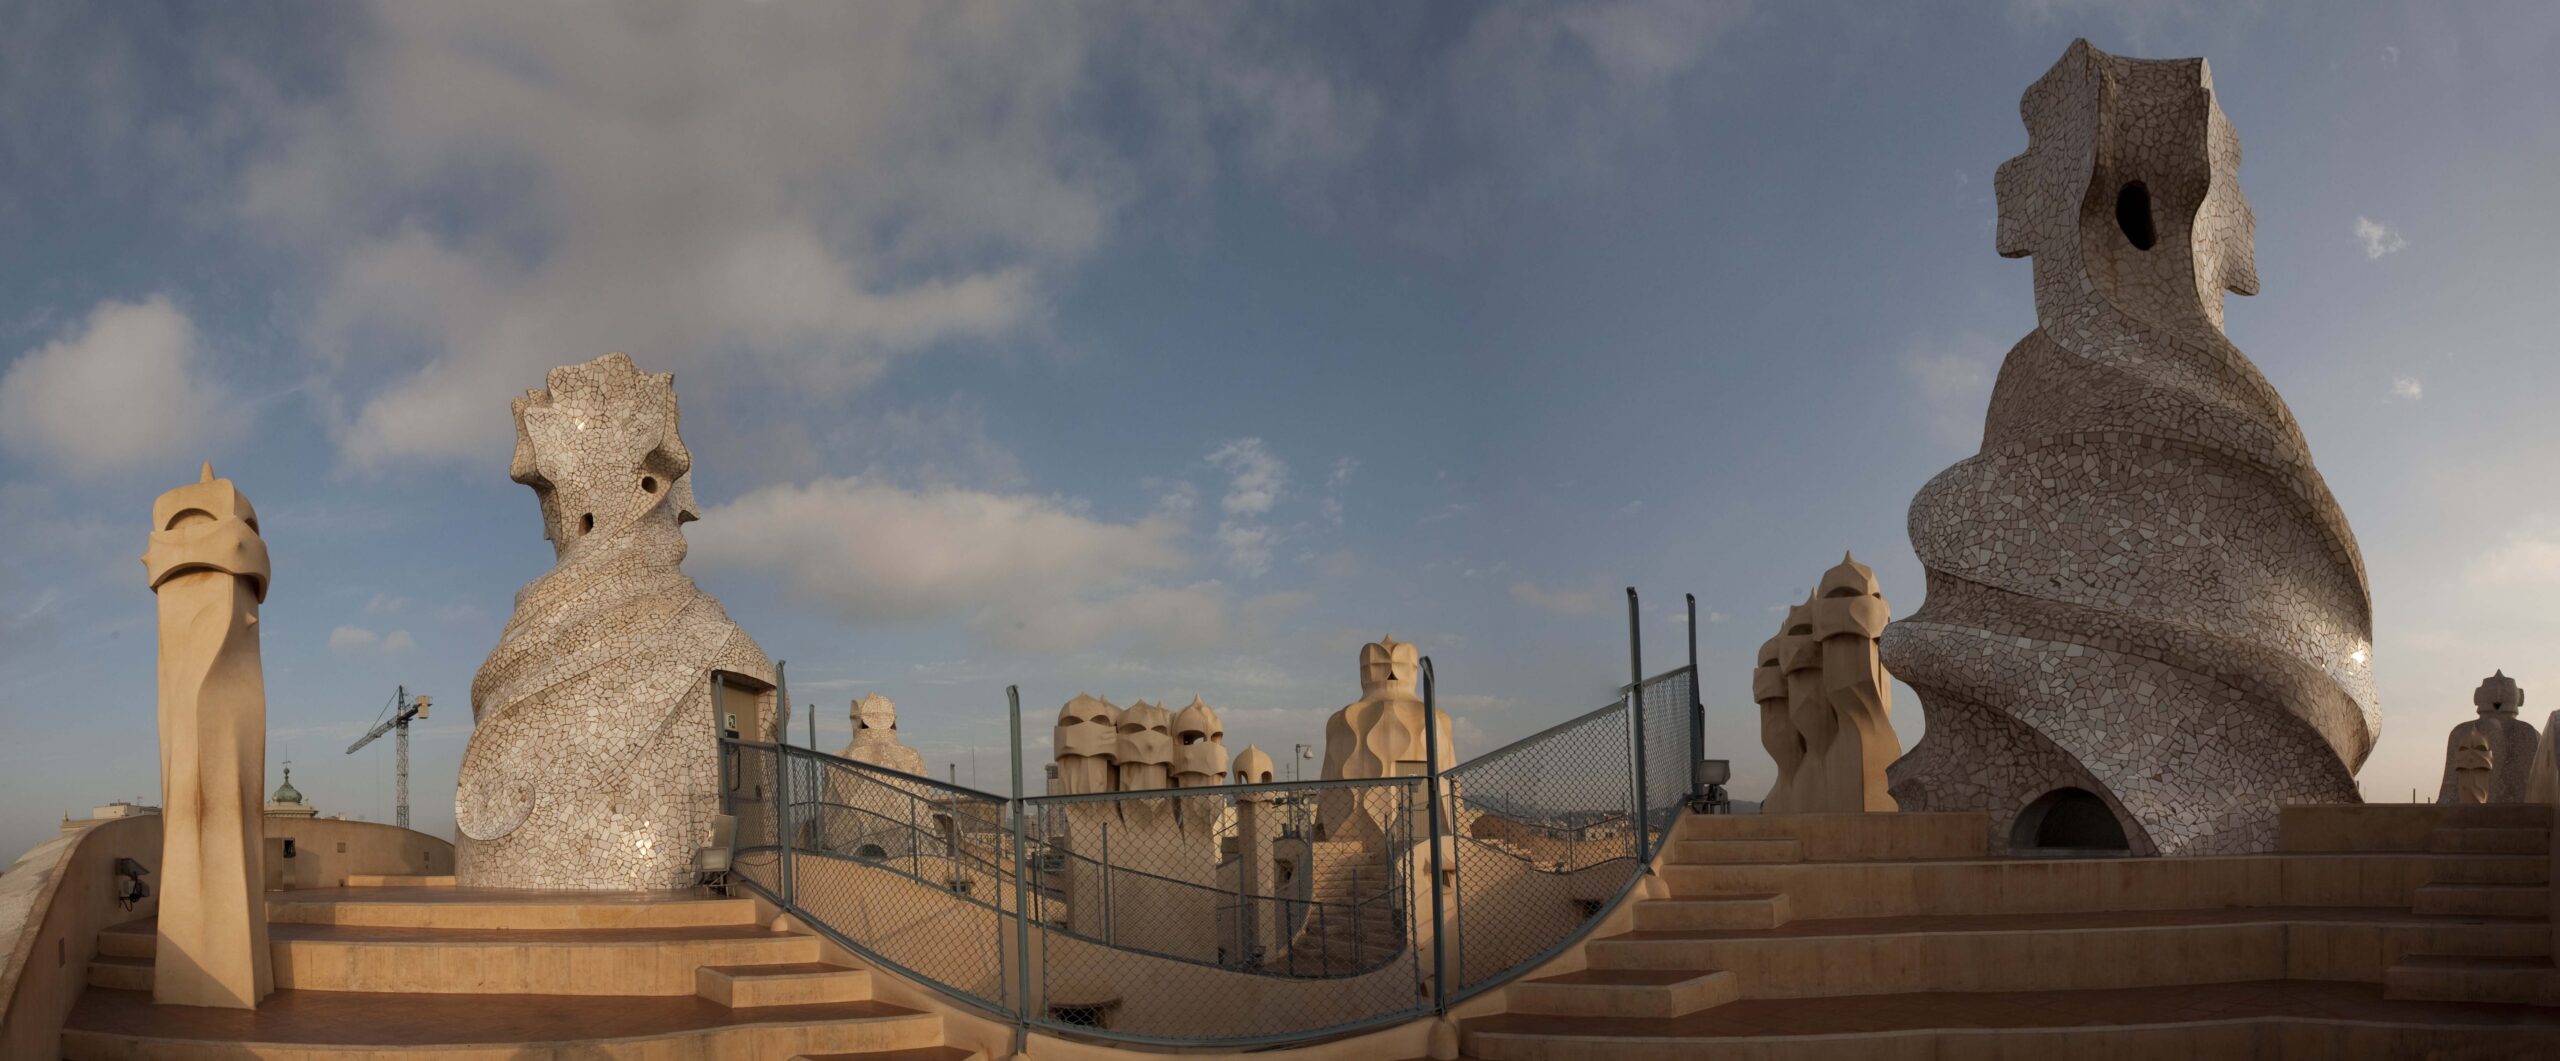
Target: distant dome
[(286, 793)]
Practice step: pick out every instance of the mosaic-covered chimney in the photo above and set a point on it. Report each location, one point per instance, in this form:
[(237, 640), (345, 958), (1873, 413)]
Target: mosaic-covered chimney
[(2143, 600)]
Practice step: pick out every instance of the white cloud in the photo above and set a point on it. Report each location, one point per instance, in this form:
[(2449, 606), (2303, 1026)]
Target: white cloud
[(461, 613), (1256, 480), (2525, 559), (794, 197), (2407, 388), (356, 640), (2378, 238), (383, 603), (1255, 477), (1953, 384), (1560, 601), (1025, 571), (1333, 485), (124, 390), (2390, 55)]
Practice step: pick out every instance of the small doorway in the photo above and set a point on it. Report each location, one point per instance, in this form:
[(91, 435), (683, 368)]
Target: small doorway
[(2068, 821), (744, 703)]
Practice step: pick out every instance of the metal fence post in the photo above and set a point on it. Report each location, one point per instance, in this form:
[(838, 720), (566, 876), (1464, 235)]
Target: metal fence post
[(1021, 886), (781, 776), (719, 734), (1431, 792), (1635, 715), (782, 817), (1697, 703)]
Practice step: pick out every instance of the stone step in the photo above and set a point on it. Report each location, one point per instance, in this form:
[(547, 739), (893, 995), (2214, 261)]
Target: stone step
[(2488, 869), (651, 961), (2039, 885), (414, 908), (2496, 815), (921, 1053), (1739, 911), (1754, 852), (2295, 1019), (120, 974), (2491, 841), (398, 880), (293, 1025), (795, 984), (2449, 978), (2500, 900), (1624, 993), (128, 944), (2071, 951)]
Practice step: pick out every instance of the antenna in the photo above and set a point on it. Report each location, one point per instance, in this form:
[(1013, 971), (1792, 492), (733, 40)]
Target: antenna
[(405, 709)]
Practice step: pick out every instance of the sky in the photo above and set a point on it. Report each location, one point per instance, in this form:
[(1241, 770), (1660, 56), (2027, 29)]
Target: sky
[(1155, 351)]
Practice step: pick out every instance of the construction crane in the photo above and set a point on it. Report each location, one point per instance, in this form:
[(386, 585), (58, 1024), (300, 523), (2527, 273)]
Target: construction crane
[(405, 708)]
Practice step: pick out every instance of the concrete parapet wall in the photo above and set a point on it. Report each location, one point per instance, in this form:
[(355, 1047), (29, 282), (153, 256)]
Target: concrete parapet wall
[(1854, 837), (52, 904), (326, 850), (2356, 826)]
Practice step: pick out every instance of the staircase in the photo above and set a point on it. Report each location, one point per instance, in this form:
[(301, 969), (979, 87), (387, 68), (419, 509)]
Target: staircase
[(416, 967), (1831, 936), (2491, 859), (1347, 927)]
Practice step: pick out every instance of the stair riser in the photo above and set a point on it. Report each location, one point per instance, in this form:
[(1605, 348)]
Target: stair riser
[(2271, 1040), (2484, 900), (1717, 852), (1706, 991), (2471, 985), (662, 968), (1958, 961), (128, 944), (1676, 915), (525, 916), (120, 977), (2496, 816), (2491, 841), (739, 992), (2490, 869), (398, 880), (909, 1032), (2020, 886)]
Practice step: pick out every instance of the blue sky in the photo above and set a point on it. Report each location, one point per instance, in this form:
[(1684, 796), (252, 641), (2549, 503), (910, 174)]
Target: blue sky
[(1153, 351)]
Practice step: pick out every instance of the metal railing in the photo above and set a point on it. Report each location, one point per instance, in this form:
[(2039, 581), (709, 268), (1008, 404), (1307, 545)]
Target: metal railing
[(1232, 915)]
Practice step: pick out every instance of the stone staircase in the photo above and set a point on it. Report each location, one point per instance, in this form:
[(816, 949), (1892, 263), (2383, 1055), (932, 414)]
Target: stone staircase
[(2491, 860), (416, 968), (1852, 936), (1347, 927)]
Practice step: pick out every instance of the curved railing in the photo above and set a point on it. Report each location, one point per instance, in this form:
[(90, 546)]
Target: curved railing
[(1230, 915)]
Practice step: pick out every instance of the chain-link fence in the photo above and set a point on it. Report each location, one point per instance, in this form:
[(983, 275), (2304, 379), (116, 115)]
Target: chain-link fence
[(917, 873), (1228, 913), (1550, 832), (1234, 915), (1669, 749)]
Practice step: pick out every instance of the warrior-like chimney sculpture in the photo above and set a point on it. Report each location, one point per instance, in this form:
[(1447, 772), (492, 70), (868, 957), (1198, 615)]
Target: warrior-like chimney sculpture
[(593, 760), (1825, 703), (2142, 597), (2505, 745), (875, 737), (208, 565)]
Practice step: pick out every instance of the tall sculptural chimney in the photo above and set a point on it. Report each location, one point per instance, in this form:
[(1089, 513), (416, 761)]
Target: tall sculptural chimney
[(209, 567), (2145, 608)]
